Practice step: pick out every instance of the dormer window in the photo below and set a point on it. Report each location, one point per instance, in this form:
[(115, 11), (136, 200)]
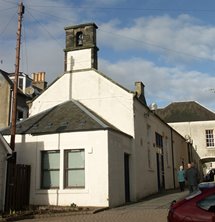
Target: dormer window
[(79, 39)]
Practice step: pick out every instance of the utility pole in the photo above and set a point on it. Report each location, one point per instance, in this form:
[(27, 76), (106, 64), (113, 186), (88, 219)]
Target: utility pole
[(21, 10)]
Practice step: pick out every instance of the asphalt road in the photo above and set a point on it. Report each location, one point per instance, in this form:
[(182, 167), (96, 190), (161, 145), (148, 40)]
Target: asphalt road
[(154, 209)]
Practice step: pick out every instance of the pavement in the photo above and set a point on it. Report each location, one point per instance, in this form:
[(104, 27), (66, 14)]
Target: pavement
[(151, 209)]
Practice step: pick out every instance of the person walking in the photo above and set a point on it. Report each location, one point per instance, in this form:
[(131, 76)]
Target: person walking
[(181, 178), (192, 177)]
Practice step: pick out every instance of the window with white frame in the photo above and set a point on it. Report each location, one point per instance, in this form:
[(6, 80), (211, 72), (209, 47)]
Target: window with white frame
[(50, 169), (74, 168), (209, 133)]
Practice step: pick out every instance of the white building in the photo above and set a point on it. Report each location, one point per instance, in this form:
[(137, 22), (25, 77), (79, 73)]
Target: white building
[(92, 142), (197, 124)]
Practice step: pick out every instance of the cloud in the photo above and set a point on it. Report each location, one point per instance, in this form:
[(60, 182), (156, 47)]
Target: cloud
[(163, 85), (105, 2), (154, 49), (177, 39)]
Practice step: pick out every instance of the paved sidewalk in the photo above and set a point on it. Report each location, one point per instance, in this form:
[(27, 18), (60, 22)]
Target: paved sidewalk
[(151, 209), (157, 201)]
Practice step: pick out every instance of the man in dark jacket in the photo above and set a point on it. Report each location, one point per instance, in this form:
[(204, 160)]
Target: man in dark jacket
[(192, 177)]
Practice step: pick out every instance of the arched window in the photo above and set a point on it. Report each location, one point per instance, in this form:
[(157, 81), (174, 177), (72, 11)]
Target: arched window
[(79, 39)]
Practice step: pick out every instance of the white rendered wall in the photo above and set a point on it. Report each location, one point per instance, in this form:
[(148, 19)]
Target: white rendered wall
[(196, 130), (119, 145), (96, 92), (57, 93), (104, 97), (95, 192), (79, 59), (145, 148)]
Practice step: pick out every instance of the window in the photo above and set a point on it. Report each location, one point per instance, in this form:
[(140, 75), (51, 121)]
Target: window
[(209, 138), (149, 157), (79, 39), (20, 115), (149, 133), (74, 168), (208, 203), (50, 169), (20, 83), (159, 140)]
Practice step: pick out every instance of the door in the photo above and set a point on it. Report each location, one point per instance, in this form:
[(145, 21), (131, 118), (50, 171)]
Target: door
[(126, 177), (160, 172)]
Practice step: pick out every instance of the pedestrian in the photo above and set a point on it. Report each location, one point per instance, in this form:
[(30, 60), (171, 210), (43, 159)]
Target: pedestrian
[(192, 177), (181, 178)]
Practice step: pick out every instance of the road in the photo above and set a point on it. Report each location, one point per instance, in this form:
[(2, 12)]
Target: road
[(152, 209)]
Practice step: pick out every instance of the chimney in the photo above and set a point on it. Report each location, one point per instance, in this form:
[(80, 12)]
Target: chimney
[(39, 80), (139, 90)]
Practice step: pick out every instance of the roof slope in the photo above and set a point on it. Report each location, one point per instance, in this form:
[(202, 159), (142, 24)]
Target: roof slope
[(5, 145), (6, 76), (65, 117), (185, 112)]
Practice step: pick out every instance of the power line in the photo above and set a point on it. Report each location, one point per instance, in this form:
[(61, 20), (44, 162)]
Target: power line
[(25, 47), (127, 9), (152, 44), (41, 25), (136, 40), (158, 46), (6, 26), (10, 2), (50, 15), (6, 9)]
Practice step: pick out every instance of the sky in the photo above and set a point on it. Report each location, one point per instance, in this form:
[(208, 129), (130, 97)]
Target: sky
[(169, 45)]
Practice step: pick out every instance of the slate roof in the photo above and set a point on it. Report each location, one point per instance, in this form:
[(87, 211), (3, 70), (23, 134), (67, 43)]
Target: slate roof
[(185, 112), (65, 117)]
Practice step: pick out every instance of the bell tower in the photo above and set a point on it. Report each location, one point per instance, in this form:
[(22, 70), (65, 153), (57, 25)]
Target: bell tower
[(81, 50)]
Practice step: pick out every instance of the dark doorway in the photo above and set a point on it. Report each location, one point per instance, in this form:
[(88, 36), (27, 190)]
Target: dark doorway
[(160, 172), (126, 177)]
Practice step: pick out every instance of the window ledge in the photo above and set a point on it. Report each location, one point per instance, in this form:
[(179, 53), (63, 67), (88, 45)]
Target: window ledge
[(64, 191)]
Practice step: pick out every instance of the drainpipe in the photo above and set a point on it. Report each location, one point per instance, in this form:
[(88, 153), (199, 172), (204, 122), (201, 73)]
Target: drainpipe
[(173, 160)]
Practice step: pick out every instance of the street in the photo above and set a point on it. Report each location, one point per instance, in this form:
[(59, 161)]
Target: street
[(153, 209)]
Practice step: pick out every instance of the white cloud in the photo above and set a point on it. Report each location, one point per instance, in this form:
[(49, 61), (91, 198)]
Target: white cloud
[(104, 2), (163, 84), (45, 39), (183, 38)]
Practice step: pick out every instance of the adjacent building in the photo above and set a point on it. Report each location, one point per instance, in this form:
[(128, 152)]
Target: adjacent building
[(27, 90), (196, 124), (5, 152)]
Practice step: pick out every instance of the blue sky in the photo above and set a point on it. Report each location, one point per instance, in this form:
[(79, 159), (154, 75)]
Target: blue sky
[(169, 45)]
